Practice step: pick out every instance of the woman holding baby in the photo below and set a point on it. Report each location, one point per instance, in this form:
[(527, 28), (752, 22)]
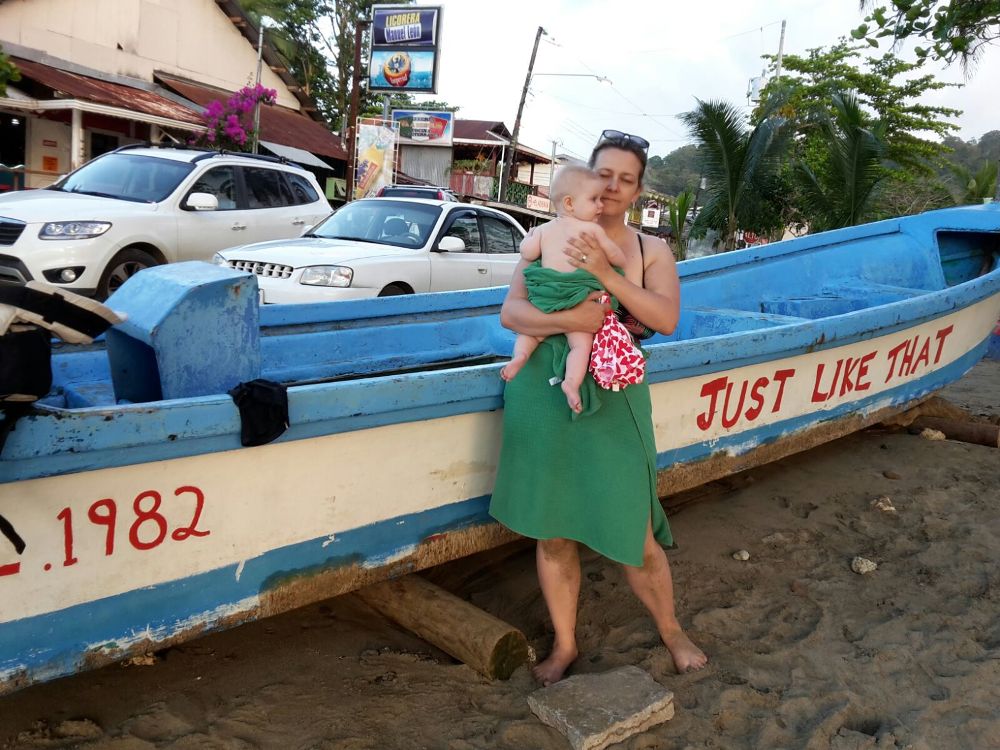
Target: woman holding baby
[(593, 480)]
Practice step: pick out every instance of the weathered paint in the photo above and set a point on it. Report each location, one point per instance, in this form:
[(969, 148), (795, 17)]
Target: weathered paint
[(147, 524)]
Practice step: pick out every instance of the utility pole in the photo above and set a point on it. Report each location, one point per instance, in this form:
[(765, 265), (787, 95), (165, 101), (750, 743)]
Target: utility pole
[(781, 51), (508, 162), (256, 106), (552, 166), (352, 115)]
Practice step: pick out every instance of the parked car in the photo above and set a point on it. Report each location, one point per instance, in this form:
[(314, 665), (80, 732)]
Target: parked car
[(416, 191), (377, 247), (137, 207)]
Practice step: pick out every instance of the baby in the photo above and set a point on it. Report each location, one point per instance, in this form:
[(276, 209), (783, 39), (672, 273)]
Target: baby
[(558, 285)]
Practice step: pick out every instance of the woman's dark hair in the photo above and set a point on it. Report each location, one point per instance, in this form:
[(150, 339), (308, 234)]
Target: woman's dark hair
[(622, 144)]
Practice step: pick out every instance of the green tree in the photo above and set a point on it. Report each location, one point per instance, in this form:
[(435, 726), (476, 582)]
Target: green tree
[(842, 192), (952, 30), (677, 212), (974, 187), (677, 171), (741, 166), (886, 85), (8, 72)]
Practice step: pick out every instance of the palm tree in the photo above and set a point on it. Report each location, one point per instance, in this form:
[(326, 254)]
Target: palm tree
[(975, 187), (841, 192), (677, 212), (738, 162)]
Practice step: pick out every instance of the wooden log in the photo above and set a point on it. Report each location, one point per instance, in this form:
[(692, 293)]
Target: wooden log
[(980, 433), (487, 644)]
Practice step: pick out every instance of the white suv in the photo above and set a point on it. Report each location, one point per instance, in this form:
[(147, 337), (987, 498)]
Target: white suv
[(137, 207)]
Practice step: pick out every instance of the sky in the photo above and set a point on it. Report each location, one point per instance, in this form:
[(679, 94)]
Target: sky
[(659, 56)]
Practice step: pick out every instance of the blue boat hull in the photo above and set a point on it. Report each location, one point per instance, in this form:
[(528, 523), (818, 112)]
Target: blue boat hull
[(148, 523)]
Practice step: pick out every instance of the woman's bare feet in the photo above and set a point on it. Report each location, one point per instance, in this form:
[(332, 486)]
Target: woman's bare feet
[(551, 670), (513, 367), (572, 396), (687, 657)]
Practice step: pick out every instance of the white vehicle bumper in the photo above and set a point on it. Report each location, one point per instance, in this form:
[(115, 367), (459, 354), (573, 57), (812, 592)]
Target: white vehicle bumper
[(42, 256), (286, 292)]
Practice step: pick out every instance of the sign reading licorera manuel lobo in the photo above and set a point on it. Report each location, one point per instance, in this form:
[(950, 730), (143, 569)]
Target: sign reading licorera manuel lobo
[(405, 44)]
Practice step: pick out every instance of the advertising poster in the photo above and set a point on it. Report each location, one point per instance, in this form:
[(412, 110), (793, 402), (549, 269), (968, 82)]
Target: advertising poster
[(424, 128), (376, 157), (402, 70), (393, 26), (405, 44)]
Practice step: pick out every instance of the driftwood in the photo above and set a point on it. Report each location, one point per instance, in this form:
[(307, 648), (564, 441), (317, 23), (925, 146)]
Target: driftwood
[(979, 433), (956, 423), (487, 644)]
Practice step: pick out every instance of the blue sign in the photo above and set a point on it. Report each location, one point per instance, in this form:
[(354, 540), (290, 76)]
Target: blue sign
[(409, 26), (405, 43)]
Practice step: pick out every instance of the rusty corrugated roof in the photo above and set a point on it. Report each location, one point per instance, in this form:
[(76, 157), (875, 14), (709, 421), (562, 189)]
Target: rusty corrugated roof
[(277, 124), (105, 92)]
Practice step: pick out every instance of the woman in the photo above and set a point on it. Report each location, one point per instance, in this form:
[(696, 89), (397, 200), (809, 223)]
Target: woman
[(593, 480)]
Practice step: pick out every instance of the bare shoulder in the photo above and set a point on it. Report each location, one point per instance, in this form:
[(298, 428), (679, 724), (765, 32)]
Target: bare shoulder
[(654, 246)]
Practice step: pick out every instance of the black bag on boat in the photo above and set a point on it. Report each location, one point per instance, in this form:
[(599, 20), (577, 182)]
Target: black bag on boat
[(263, 406), (25, 364)]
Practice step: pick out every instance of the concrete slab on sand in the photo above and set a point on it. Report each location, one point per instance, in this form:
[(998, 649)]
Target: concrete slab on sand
[(597, 710)]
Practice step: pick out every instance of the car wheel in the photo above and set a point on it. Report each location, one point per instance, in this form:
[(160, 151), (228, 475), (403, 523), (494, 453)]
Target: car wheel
[(393, 290), (122, 267)]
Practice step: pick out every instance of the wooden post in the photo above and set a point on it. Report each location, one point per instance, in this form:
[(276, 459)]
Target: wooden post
[(352, 115), (487, 644), (979, 433)]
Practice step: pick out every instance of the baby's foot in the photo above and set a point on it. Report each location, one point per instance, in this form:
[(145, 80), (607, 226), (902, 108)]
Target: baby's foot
[(687, 657), (551, 670), (572, 396), (513, 367)]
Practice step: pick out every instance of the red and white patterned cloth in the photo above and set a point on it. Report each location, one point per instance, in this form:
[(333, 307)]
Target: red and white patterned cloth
[(615, 360)]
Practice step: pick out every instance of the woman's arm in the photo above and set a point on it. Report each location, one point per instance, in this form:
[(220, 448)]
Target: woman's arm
[(658, 303), (520, 316)]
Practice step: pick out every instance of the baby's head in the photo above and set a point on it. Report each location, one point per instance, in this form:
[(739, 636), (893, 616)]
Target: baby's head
[(576, 191)]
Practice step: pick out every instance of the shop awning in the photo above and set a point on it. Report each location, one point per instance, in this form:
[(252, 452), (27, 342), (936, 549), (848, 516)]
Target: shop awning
[(295, 154), (135, 99)]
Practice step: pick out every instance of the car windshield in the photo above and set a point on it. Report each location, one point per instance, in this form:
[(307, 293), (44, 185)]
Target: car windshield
[(385, 222), (127, 177)]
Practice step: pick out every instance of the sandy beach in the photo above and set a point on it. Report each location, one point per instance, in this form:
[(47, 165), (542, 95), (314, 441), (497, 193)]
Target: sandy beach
[(805, 653)]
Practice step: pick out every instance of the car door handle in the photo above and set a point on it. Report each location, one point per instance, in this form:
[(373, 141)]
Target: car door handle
[(237, 226), (298, 222), (483, 270)]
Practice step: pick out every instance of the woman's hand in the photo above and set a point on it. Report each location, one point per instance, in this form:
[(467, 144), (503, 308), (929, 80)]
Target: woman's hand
[(586, 252), (588, 316)]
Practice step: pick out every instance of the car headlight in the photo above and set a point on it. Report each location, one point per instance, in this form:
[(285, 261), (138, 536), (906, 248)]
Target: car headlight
[(73, 230), (218, 260), (327, 276)]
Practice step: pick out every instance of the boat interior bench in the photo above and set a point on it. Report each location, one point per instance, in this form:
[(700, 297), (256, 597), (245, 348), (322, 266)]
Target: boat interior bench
[(837, 300)]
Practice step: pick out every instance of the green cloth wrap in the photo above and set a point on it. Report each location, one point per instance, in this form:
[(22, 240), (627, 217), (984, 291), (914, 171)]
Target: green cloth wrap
[(550, 290), (592, 480)]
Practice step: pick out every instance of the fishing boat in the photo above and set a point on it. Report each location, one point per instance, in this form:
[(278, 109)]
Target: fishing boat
[(146, 521)]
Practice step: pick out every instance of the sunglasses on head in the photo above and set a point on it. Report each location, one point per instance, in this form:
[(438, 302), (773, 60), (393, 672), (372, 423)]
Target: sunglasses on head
[(624, 140)]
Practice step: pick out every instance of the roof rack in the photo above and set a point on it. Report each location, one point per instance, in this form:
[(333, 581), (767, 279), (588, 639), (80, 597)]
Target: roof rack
[(207, 153)]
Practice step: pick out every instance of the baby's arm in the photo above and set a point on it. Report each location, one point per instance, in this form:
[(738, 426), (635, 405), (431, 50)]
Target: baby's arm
[(531, 245), (614, 253)]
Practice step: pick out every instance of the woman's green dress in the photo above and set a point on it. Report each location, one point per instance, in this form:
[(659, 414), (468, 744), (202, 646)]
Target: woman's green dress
[(591, 479)]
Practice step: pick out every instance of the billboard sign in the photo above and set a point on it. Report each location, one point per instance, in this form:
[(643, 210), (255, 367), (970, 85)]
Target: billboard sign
[(405, 45), (424, 128), (651, 217), (376, 157)]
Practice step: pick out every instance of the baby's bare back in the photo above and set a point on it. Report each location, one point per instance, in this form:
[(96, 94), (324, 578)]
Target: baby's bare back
[(555, 239)]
